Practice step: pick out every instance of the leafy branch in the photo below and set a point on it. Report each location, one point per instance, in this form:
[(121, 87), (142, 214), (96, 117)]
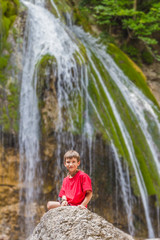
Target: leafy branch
[(139, 24)]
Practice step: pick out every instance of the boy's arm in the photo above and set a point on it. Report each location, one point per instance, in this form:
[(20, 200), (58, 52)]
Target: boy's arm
[(86, 199)]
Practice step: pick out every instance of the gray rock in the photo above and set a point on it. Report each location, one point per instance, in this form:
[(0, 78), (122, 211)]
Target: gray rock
[(68, 223)]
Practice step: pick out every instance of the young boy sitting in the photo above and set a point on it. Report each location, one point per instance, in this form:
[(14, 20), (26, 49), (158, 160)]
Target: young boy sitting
[(76, 189)]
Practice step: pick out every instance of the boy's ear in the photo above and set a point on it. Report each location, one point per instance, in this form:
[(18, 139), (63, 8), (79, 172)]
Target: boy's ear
[(79, 163)]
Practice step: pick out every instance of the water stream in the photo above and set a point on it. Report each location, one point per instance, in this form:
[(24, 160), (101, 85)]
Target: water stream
[(77, 72), (138, 104)]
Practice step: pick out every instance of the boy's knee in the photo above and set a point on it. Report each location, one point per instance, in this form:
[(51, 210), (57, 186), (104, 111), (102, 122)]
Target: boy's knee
[(49, 204), (52, 204)]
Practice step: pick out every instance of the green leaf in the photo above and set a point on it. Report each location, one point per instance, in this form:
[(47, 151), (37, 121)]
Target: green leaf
[(149, 41)]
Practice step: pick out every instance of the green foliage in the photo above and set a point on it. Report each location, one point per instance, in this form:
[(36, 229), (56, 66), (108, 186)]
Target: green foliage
[(9, 91), (147, 57), (88, 2), (3, 62), (145, 24), (131, 51), (139, 24), (9, 114), (8, 10), (110, 10)]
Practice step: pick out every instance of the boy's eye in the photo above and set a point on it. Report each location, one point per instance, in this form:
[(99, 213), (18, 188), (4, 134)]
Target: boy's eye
[(70, 162)]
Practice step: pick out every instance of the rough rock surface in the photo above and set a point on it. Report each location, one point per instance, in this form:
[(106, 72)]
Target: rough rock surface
[(9, 189), (153, 78), (68, 223)]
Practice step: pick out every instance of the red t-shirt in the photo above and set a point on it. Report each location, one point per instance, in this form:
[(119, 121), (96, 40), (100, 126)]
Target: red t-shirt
[(75, 188)]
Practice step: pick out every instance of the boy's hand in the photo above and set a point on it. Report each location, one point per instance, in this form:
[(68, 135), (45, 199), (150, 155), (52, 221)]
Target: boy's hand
[(81, 206), (64, 203)]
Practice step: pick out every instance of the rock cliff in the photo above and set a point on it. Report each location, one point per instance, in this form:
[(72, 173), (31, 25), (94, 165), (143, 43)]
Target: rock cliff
[(152, 73), (75, 223)]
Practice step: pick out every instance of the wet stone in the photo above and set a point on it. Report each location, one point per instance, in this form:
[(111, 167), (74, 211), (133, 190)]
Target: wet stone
[(75, 223)]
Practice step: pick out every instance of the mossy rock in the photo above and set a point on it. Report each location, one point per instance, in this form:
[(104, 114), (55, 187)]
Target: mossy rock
[(62, 8), (131, 70), (113, 131), (44, 71), (45, 62), (80, 18), (3, 62)]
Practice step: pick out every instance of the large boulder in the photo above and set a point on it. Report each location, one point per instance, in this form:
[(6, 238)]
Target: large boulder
[(70, 223)]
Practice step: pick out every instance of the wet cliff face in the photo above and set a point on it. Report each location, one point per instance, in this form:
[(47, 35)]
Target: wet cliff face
[(108, 195), (9, 154), (105, 176), (9, 190), (152, 73)]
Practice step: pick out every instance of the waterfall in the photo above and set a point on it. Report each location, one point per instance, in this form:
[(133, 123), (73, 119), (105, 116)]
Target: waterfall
[(88, 89), (29, 127), (138, 104), (126, 190), (55, 7), (43, 32)]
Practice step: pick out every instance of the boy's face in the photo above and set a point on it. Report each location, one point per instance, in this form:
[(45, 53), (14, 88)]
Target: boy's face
[(71, 164)]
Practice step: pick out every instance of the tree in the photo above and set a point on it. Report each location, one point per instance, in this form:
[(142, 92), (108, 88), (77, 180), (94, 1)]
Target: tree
[(139, 24), (135, 5)]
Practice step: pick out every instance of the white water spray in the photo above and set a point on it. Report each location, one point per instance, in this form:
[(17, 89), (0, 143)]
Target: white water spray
[(44, 35), (111, 67)]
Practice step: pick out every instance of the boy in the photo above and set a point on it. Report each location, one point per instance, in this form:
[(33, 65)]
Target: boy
[(76, 189)]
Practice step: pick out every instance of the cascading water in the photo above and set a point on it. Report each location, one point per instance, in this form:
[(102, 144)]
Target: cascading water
[(43, 35), (126, 190), (29, 129), (138, 103), (79, 112)]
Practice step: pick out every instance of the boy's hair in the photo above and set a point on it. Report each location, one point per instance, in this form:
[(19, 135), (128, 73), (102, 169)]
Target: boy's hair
[(71, 154)]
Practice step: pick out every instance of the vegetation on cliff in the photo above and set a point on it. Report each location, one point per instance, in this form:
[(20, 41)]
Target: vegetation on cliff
[(8, 89), (134, 74), (111, 123), (8, 13), (135, 25)]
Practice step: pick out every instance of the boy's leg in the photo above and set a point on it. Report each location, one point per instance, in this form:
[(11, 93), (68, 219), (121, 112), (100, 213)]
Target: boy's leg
[(52, 204)]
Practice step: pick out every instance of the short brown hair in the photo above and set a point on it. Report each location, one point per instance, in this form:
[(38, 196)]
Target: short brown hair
[(71, 154)]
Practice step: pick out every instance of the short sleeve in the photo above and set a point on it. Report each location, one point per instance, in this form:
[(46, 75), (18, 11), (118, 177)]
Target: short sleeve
[(86, 184), (62, 191)]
